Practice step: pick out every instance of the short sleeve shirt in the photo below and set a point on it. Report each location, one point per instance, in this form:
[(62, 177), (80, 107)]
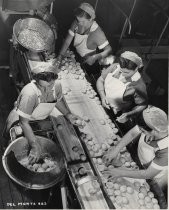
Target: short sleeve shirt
[(28, 99), (97, 35), (135, 91), (160, 160)]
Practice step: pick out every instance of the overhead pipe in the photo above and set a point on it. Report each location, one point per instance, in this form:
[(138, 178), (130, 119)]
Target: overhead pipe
[(126, 21), (96, 3), (166, 15), (158, 41), (51, 8), (153, 48)]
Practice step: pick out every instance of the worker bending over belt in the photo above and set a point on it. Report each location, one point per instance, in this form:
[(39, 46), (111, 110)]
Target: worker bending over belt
[(152, 132), (88, 36), (121, 87), (36, 101)]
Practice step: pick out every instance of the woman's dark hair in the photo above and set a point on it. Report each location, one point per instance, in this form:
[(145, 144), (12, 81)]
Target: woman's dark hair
[(141, 122), (126, 63), (81, 13), (46, 76)]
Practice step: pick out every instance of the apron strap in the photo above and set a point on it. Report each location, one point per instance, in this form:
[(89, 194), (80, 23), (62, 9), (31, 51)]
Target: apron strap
[(94, 26), (36, 90)]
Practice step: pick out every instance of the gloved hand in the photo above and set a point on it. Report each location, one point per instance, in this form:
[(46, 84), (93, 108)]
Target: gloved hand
[(35, 153)]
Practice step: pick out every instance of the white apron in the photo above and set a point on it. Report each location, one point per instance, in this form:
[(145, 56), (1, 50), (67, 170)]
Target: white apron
[(43, 110), (80, 41), (146, 154), (115, 89)]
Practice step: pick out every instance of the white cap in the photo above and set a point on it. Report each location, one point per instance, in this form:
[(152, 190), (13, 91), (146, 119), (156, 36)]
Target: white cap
[(88, 9), (132, 56), (43, 67), (155, 118)]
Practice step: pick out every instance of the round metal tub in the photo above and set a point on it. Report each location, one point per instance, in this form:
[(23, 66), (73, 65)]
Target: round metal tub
[(33, 34), (19, 149)]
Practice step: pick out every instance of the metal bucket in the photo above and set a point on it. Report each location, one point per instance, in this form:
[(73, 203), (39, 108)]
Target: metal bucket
[(18, 149), (33, 34)]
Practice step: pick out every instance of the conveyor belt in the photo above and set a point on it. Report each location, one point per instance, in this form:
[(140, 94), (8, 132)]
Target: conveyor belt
[(101, 131)]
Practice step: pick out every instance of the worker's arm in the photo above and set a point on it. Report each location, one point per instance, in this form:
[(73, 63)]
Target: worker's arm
[(62, 106), (35, 152), (99, 56), (65, 46), (160, 144), (127, 115), (127, 138), (101, 91), (106, 51), (100, 84), (148, 173), (138, 95), (68, 40), (102, 44)]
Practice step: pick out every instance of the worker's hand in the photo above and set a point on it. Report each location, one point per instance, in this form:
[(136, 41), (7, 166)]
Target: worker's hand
[(58, 62), (149, 138), (123, 118), (35, 153), (153, 143), (51, 56), (113, 173), (74, 119), (111, 154), (105, 102), (90, 60), (32, 12)]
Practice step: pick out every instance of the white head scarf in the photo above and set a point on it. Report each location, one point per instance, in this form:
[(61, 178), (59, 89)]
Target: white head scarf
[(155, 118), (43, 67), (88, 9), (133, 57)]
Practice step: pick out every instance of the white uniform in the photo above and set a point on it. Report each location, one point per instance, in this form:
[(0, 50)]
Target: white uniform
[(35, 106), (80, 40), (148, 156)]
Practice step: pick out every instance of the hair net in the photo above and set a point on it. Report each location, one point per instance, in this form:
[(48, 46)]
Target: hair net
[(88, 9), (155, 118), (133, 57), (43, 67)]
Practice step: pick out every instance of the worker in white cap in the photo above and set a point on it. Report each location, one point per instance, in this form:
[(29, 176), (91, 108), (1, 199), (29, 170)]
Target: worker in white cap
[(152, 132), (121, 87), (37, 100), (88, 36)]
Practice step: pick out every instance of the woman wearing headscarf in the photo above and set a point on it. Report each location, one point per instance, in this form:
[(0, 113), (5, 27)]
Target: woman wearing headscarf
[(121, 87), (151, 132), (36, 101), (87, 35)]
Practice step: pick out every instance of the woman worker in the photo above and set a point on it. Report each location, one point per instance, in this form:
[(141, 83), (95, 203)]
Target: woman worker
[(152, 132), (37, 100), (88, 36), (121, 87)]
